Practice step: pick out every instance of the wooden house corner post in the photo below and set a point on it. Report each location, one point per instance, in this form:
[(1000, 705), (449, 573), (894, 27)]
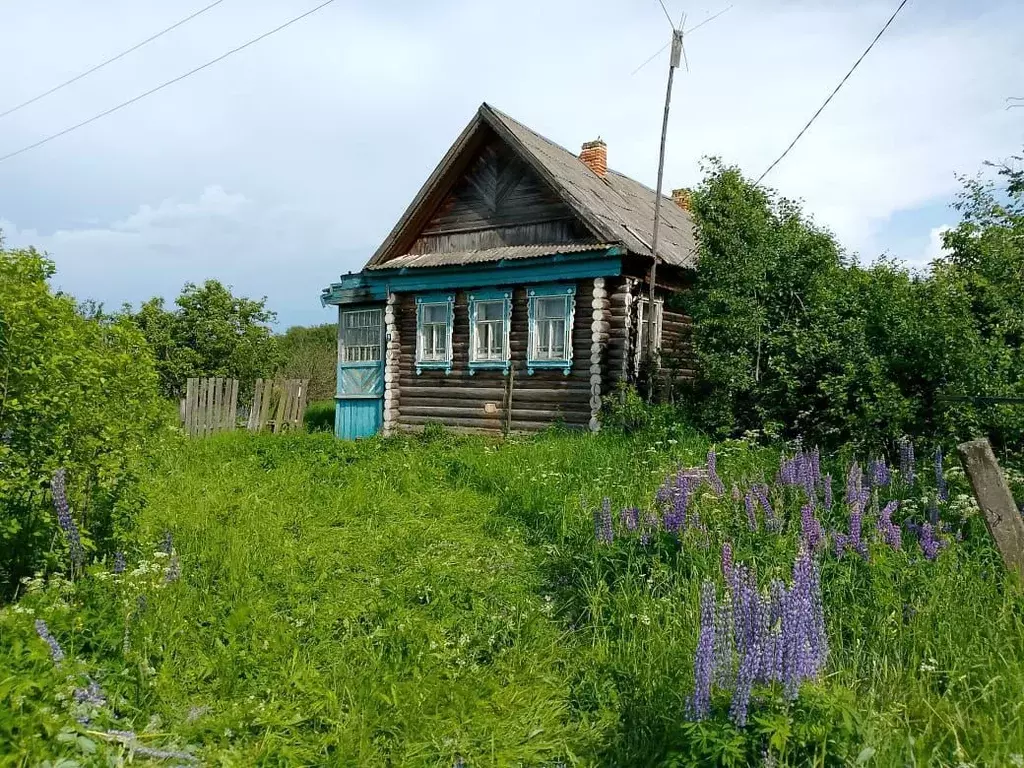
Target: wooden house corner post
[(599, 328), (1002, 518), (392, 357)]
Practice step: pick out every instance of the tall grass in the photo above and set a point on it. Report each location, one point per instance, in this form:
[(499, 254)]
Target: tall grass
[(425, 600)]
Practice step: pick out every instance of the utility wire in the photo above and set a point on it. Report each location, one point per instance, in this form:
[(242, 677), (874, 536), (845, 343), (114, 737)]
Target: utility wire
[(99, 66), (160, 87), (841, 83)]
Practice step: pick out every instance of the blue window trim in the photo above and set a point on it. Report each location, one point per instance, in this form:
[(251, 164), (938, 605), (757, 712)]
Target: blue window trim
[(534, 292), (490, 294), (437, 365)]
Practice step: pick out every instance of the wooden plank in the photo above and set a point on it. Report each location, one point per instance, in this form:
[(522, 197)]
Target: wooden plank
[(200, 405), (1002, 518), (207, 403), (233, 405), (268, 393), (254, 412), (303, 393), (190, 387), (288, 396), (215, 405)]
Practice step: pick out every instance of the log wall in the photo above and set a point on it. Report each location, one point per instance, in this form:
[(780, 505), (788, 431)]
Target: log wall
[(477, 401)]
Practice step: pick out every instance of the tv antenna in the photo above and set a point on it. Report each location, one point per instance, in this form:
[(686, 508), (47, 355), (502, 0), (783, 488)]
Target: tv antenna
[(678, 52)]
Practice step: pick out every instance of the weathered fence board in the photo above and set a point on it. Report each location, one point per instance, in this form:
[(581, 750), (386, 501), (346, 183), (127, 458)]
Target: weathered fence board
[(278, 405), (1002, 517), (210, 406)]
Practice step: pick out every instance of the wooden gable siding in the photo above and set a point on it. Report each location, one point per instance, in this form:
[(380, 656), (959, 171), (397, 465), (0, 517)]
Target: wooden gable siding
[(498, 201), (458, 399)]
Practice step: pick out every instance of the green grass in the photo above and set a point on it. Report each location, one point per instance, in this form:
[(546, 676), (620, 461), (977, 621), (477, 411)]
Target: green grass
[(410, 601)]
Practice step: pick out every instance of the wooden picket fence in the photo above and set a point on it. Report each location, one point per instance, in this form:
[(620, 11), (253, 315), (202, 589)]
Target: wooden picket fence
[(211, 405), (278, 405)]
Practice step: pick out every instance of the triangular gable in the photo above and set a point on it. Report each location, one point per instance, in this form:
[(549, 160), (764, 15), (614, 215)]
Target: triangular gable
[(485, 182)]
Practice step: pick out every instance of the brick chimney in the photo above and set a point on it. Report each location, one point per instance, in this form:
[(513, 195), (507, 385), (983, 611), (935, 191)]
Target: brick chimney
[(681, 197), (595, 156)]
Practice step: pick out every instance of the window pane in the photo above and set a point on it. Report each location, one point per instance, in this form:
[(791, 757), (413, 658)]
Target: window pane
[(435, 313), (490, 310), (553, 307), (360, 335)]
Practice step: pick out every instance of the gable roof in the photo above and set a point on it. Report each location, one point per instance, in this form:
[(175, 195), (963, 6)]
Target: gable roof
[(616, 209)]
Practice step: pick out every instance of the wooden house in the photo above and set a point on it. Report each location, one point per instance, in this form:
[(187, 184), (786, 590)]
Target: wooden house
[(512, 293)]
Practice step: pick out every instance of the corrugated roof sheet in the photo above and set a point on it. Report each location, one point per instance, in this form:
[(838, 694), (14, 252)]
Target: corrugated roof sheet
[(624, 207), (461, 258)]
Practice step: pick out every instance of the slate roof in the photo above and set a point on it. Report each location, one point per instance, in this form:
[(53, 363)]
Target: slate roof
[(617, 209)]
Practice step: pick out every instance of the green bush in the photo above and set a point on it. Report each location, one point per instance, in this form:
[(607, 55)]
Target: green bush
[(792, 336), (75, 393), (319, 416)]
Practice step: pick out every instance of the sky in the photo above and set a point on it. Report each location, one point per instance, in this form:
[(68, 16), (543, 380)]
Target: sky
[(285, 165)]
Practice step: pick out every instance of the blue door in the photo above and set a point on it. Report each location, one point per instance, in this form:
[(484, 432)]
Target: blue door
[(360, 397)]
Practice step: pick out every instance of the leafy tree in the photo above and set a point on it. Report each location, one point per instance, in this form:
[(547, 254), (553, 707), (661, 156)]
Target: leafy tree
[(311, 353), (210, 333), (78, 393)]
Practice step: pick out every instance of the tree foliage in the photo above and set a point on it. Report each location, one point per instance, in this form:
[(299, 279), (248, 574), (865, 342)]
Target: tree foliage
[(311, 353), (795, 337), (78, 393), (210, 332)]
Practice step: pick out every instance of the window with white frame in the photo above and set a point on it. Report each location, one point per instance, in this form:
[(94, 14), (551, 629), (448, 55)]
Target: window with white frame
[(360, 335), (490, 314), (550, 311), (434, 315), (643, 321)]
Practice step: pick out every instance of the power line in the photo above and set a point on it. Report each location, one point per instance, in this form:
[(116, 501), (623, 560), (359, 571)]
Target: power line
[(841, 83), (111, 60), (160, 87)]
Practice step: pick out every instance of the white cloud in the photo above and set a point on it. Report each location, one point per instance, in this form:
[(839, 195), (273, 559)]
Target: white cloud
[(935, 249), (310, 144)]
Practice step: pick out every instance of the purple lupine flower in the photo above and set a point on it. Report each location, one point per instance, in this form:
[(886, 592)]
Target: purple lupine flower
[(650, 526), (630, 518), (880, 475), (744, 684), (58, 488), (890, 531), (828, 492), (727, 561), (699, 705), (810, 527), (603, 531), (56, 652), (853, 483), (119, 564), (679, 500), (166, 543), (713, 478), (761, 492), (725, 645), (940, 477), (788, 471), (748, 501), (907, 461), (90, 694), (931, 544), (173, 572)]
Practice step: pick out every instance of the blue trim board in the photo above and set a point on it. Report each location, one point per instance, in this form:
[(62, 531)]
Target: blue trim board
[(374, 285)]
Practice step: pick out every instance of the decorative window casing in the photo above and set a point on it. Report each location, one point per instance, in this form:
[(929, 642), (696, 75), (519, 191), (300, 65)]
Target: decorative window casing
[(550, 311), (490, 318), (435, 316), (642, 323)]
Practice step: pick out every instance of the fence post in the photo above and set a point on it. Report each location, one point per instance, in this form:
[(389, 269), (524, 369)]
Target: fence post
[(1002, 518)]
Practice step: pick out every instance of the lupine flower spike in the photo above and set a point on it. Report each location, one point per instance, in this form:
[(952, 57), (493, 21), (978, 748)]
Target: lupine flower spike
[(713, 478), (940, 477), (56, 652), (603, 531), (58, 487), (907, 461)]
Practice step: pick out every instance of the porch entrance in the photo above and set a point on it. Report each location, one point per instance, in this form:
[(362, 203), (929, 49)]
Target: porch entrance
[(360, 395)]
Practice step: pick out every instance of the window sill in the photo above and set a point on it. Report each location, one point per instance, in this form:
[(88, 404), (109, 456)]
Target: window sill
[(433, 365), (489, 365), (548, 365)]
